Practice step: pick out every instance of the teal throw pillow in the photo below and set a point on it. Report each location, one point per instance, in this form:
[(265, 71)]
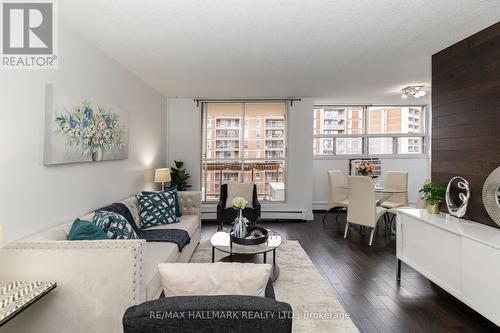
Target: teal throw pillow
[(114, 225), (85, 230), (173, 191), (156, 208)]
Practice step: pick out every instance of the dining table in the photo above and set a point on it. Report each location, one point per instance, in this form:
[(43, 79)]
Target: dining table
[(385, 191), (381, 189)]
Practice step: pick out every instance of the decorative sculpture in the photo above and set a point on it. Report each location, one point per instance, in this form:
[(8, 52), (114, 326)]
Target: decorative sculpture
[(454, 209)]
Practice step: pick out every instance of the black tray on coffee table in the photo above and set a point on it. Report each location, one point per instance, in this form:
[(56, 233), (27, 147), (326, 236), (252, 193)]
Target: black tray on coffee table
[(250, 238)]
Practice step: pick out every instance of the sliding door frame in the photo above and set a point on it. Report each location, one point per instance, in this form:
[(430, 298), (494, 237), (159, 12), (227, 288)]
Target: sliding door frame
[(204, 144)]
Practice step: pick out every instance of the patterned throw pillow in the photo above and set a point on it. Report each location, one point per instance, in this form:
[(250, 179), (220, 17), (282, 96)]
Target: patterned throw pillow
[(114, 225), (173, 191), (156, 208)]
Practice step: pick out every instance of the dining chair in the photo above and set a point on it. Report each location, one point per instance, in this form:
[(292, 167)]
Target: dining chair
[(397, 180), (337, 199), (420, 203), (363, 209)]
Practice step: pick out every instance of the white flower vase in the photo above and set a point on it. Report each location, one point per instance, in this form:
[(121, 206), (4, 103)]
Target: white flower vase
[(240, 227), (97, 156)]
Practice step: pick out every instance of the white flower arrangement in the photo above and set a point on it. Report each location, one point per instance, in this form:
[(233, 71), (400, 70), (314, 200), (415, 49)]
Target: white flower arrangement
[(239, 203)]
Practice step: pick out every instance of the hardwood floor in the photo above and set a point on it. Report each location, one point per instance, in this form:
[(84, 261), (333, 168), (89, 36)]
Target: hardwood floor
[(364, 280)]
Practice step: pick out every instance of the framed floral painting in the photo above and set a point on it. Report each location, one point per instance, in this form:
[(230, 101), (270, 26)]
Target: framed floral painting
[(79, 129)]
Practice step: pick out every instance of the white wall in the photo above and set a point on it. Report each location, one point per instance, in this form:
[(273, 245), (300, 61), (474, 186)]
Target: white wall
[(184, 136), (300, 143), (418, 172), (184, 142), (33, 196)]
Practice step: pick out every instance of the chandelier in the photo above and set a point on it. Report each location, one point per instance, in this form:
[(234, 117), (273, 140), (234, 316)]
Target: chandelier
[(415, 91)]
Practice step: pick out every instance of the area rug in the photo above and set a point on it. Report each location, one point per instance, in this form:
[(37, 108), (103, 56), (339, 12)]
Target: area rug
[(315, 307)]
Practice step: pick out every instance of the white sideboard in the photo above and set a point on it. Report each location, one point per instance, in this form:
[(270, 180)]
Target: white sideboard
[(460, 256)]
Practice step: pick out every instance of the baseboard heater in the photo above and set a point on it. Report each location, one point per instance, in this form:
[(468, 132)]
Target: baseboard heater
[(284, 214), (267, 214)]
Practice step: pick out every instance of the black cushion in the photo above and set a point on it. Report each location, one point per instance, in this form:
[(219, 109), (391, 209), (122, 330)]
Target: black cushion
[(194, 314), (231, 313)]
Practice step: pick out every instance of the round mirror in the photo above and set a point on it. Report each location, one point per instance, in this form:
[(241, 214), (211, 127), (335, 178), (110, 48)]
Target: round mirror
[(457, 196), (491, 195), (498, 196)]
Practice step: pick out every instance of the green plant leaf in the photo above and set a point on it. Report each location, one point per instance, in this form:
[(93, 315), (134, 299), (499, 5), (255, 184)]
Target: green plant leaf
[(180, 176)]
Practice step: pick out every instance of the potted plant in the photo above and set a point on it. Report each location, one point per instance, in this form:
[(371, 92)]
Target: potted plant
[(433, 194), (180, 177)]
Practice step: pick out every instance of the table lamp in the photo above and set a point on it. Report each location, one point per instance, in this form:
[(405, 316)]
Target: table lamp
[(2, 237), (162, 176)]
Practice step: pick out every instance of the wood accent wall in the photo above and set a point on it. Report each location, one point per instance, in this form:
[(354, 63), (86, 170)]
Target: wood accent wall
[(466, 114)]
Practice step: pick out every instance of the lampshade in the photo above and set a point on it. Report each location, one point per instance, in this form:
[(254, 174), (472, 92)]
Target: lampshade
[(2, 237), (162, 175)]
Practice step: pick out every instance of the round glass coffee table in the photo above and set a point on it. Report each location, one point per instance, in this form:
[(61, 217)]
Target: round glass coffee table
[(221, 241)]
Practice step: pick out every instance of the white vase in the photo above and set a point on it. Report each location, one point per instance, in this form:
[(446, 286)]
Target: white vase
[(240, 227), (97, 156)]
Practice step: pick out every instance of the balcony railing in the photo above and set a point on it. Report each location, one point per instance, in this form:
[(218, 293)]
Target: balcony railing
[(227, 149), (334, 126), (275, 124), (270, 155), (227, 136)]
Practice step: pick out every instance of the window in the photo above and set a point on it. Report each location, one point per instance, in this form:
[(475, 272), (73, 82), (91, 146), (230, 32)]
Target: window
[(369, 130), (348, 146), (250, 146), (384, 120), (332, 127)]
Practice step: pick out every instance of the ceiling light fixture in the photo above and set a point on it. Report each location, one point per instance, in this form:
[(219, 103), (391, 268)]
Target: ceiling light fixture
[(415, 91)]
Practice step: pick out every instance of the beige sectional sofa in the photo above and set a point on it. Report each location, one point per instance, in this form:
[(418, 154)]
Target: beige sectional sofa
[(96, 280)]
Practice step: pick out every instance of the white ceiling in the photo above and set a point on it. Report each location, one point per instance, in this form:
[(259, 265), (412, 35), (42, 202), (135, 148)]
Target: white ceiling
[(343, 50)]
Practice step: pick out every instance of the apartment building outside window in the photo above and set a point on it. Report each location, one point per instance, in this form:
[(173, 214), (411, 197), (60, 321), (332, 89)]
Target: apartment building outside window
[(369, 130), (250, 146)]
